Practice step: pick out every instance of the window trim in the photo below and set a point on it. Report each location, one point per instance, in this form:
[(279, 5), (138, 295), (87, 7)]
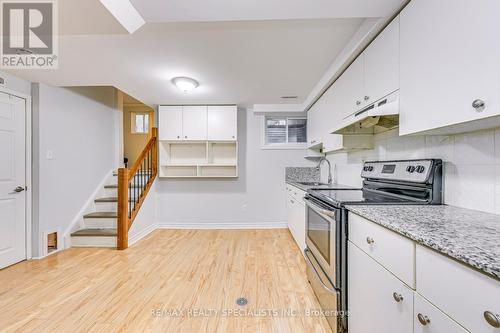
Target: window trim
[(280, 146), (133, 115)]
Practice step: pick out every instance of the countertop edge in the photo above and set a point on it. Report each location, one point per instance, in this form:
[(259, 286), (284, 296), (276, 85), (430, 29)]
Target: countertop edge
[(419, 241)]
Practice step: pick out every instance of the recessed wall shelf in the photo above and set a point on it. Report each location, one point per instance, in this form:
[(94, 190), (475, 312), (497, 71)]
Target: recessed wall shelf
[(198, 159)]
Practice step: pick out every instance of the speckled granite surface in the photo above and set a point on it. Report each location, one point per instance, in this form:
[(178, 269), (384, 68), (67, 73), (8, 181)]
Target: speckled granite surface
[(301, 174), (469, 236)]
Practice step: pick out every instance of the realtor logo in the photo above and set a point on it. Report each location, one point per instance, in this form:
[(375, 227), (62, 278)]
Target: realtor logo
[(29, 34)]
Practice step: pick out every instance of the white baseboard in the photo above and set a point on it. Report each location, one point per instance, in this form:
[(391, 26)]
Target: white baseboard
[(201, 225), (143, 233)]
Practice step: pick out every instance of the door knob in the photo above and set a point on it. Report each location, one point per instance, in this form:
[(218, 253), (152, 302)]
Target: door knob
[(492, 319), (424, 320), (397, 297), (19, 189), (479, 105)]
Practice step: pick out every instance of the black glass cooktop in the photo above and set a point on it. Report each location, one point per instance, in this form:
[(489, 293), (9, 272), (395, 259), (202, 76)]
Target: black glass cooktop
[(352, 197)]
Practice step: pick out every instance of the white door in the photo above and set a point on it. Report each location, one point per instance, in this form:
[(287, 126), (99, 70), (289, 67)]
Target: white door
[(194, 122), (12, 180), (450, 51), (378, 301), (382, 64), (222, 123), (170, 120)]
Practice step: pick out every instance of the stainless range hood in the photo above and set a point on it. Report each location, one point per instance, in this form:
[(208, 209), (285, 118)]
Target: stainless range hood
[(378, 117)]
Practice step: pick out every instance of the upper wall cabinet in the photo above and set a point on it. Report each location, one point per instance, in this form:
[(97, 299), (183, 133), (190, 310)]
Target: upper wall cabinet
[(222, 123), (450, 66), (198, 123), (381, 64), (170, 123), (194, 122)]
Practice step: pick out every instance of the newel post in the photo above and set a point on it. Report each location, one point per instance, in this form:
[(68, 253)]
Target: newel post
[(122, 220)]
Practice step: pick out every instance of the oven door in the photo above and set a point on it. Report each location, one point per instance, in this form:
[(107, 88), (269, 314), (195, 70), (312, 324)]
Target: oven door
[(321, 235)]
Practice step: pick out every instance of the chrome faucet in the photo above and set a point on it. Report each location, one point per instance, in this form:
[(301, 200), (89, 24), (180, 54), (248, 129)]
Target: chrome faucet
[(329, 168)]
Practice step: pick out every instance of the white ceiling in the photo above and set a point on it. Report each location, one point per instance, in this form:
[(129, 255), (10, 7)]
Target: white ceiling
[(243, 62), (235, 10)]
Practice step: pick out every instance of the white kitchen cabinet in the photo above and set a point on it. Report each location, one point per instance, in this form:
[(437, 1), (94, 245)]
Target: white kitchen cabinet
[(379, 243), (222, 123), (296, 215), (198, 141), (381, 64), (170, 123), (429, 319), (462, 293), (378, 301), (194, 122), (349, 89), (314, 133), (449, 59)]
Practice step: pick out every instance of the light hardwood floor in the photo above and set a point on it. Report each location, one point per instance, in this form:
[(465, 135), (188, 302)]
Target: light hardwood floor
[(104, 290)]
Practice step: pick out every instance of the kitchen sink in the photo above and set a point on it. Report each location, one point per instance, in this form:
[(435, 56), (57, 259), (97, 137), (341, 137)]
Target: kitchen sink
[(313, 184)]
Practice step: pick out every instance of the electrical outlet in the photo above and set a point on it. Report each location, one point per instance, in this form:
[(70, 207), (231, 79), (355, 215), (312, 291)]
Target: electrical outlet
[(49, 155)]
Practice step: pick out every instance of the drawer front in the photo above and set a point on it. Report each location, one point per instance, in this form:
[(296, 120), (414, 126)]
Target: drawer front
[(459, 291), (396, 253), (295, 192), (429, 319)]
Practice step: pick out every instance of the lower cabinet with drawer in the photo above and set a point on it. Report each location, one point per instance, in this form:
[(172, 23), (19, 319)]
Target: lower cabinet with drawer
[(378, 302), (397, 285), (296, 215)]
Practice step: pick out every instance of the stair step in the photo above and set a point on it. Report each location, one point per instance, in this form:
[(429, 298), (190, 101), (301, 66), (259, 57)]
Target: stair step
[(108, 232), (109, 199), (115, 186), (103, 215)]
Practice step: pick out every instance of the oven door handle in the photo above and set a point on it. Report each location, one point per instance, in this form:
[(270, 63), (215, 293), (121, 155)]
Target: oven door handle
[(318, 209), (333, 291)]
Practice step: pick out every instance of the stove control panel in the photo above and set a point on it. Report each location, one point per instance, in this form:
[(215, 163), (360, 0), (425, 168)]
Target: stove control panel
[(416, 171)]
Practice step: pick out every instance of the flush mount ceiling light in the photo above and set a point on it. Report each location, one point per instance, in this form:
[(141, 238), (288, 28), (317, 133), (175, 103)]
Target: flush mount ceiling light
[(185, 84)]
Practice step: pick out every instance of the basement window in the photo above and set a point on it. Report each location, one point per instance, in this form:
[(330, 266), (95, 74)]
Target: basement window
[(139, 123), (284, 132)]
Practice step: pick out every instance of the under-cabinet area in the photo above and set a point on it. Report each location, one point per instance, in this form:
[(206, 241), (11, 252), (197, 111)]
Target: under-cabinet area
[(198, 141)]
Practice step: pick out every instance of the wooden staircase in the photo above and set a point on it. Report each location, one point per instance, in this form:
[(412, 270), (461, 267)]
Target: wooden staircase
[(115, 212)]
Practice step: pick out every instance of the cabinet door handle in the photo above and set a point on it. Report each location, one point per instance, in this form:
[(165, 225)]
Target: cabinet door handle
[(479, 105), (370, 240), (492, 319), (178, 137), (424, 320), (185, 137), (397, 297)]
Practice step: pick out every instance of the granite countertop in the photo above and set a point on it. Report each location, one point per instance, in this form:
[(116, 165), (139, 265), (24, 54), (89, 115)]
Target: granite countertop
[(320, 186), (469, 236)]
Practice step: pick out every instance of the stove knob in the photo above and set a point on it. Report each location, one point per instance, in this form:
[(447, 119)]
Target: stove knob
[(370, 168), (410, 169), (420, 168)]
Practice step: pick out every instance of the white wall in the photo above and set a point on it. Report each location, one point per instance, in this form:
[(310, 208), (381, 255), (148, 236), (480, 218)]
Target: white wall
[(255, 199), (472, 164), (78, 126), (145, 220)]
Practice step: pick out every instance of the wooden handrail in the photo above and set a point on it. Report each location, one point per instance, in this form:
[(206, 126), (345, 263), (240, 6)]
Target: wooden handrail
[(137, 181)]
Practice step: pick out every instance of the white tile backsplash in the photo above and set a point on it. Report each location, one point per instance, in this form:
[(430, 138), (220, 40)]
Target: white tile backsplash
[(471, 170)]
